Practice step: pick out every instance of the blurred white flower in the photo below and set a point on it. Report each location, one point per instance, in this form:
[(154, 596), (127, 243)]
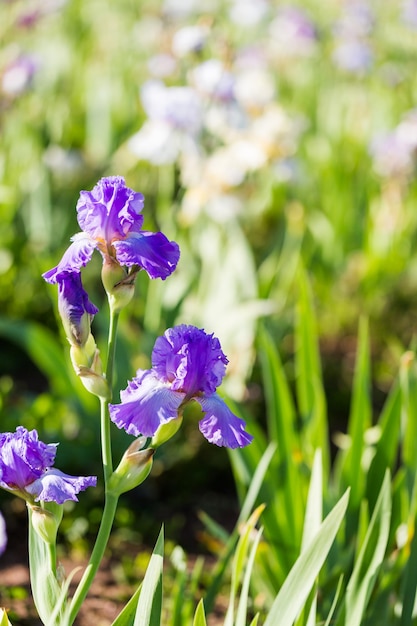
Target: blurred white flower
[(175, 119), (17, 76), (255, 89), (213, 80), (189, 39), (248, 12), (353, 55), (162, 65), (392, 156), (292, 33)]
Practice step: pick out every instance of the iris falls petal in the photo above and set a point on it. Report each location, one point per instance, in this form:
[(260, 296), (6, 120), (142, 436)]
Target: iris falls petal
[(152, 251), (220, 426), (146, 404)]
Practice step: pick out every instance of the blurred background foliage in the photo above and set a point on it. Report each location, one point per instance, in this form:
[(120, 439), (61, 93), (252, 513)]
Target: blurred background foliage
[(293, 145)]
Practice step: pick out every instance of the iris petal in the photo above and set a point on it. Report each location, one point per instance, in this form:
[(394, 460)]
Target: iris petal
[(23, 458), (76, 256), (110, 210), (55, 486), (146, 404), (220, 426), (152, 251)]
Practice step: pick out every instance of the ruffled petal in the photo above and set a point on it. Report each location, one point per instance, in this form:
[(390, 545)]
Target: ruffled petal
[(55, 486), (220, 426), (77, 255), (190, 359), (23, 458), (146, 404), (110, 210), (152, 251)]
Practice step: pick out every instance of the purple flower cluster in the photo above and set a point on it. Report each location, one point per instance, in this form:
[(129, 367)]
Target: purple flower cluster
[(187, 364), (26, 468)]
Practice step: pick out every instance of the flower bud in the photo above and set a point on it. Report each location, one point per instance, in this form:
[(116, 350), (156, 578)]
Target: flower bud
[(46, 520), (87, 365), (118, 283), (75, 308), (133, 468), (166, 431)]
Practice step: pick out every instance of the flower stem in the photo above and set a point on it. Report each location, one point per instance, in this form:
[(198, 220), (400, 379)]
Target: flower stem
[(110, 503), (105, 421), (105, 441), (111, 349), (96, 556)]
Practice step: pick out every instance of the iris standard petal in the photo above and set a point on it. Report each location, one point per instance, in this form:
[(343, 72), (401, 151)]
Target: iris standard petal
[(55, 486), (110, 210), (23, 458), (146, 404), (190, 359), (152, 251), (76, 256), (220, 426)]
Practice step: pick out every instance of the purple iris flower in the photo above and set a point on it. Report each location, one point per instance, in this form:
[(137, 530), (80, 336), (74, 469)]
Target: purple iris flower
[(75, 308), (187, 364), (3, 535), (26, 468), (111, 221)]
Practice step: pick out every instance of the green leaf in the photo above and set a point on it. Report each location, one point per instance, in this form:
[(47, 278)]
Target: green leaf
[(359, 420), (49, 597), (281, 429), (386, 448), (43, 348), (239, 560), (127, 615), (148, 612), (312, 520), (309, 378), (371, 555), (294, 592), (241, 613), (408, 379), (410, 585), (200, 617), (247, 506), (4, 620)]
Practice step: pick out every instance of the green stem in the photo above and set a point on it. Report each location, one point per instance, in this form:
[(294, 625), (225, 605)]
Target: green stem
[(96, 556), (111, 498), (105, 441), (111, 349)]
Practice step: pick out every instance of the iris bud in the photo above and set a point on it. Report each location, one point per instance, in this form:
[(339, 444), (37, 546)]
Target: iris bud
[(133, 468), (118, 283), (46, 520), (87, 365)]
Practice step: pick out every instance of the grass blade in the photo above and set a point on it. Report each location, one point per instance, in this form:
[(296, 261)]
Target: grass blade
[(294, 592), (148, 612)]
